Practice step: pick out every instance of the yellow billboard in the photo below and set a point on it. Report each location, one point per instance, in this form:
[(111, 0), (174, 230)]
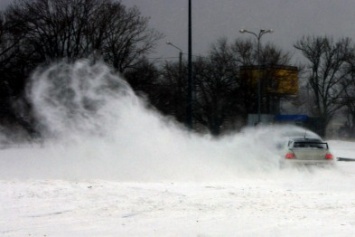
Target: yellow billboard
[(277, 80)]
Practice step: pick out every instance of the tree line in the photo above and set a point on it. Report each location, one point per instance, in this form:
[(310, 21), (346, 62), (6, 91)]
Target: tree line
[(223, 100), (39, 32)]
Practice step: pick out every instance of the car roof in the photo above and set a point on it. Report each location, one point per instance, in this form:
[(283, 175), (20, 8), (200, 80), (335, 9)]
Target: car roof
[(305, 139)]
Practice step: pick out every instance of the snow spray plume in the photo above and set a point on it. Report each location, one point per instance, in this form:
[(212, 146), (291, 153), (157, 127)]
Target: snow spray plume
[(104, 131), (70, 98)]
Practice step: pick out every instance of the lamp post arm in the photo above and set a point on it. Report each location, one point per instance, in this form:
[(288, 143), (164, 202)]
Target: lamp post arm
[(259, 35), (248, 32), (263, 32), (173, 45)]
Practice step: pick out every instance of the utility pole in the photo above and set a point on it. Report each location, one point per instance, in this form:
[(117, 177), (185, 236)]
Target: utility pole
[(189, 108)]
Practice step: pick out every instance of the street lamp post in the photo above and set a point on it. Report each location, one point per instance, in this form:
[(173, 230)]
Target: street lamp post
[(190, 80), (258, 37), (180, 72), (180, 56)]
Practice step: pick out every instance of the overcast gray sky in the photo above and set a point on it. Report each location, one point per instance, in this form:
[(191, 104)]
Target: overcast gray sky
[(213, 19), (4, 3)]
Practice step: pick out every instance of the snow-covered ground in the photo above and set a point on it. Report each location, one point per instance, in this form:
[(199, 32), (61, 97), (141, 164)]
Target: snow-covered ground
[(131, 172), (316, 202)]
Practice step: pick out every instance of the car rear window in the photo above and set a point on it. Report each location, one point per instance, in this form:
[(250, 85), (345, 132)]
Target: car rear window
[(320, 145)]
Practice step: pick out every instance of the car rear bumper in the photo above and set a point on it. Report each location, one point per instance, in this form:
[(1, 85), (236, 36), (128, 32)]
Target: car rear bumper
[(285, 163)]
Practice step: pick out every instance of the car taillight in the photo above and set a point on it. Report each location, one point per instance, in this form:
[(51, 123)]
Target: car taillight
[(290, 155), (329, 156)]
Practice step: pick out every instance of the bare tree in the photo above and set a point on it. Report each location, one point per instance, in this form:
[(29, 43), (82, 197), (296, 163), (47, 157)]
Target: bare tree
[(171, 91), (223, 98), (216, 102), (12, 75), (128, 39), (272, 55), (329, 64), (349, 101), (56, 29)]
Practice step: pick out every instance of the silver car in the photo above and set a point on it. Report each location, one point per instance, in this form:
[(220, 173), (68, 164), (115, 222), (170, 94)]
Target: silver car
[(306, 151)]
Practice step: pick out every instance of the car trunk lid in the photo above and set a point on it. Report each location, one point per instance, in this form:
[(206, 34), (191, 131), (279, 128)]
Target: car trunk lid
[(309, 153)]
